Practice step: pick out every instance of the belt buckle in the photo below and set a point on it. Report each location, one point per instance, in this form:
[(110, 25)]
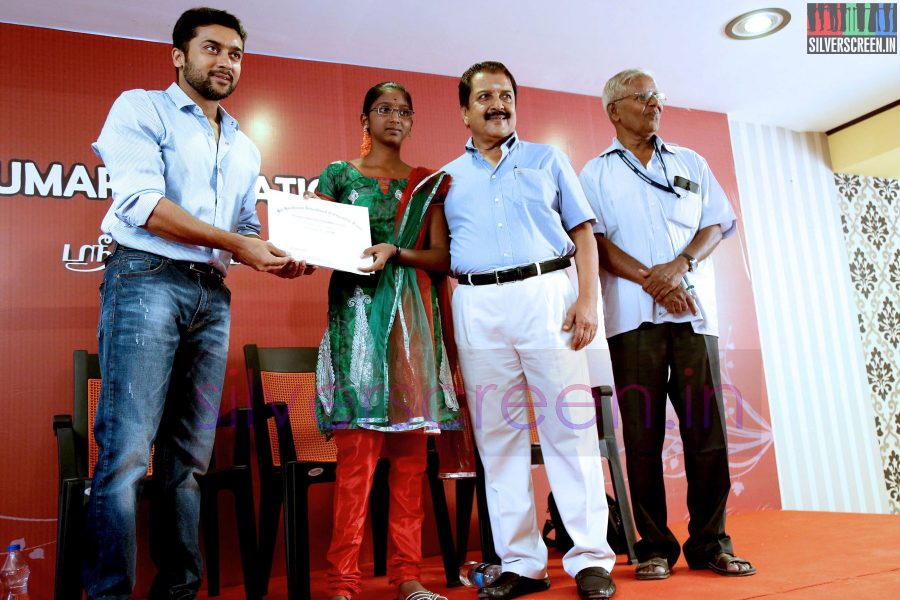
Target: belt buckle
[(202, 268), (498, 272), (517, 274)]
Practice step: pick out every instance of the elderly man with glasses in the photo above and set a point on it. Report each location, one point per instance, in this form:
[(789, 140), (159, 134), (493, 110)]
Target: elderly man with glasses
[(660, 214)]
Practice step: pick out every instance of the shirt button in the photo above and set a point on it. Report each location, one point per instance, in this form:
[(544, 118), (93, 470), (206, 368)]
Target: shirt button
[(499, 224), (496, 199), (493, 177)]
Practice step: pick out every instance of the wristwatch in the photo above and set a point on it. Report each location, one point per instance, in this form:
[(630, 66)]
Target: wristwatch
[(692, 262)]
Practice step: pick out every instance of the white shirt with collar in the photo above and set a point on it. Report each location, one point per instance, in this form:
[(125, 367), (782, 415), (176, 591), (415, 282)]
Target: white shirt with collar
[(654, 226)]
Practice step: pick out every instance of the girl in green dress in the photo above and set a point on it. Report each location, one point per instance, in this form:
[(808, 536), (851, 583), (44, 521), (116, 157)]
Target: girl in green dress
[(384, 377)]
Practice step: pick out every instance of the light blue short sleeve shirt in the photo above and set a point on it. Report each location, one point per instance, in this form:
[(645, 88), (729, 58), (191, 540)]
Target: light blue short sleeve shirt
[(654, 226), (516, 213)]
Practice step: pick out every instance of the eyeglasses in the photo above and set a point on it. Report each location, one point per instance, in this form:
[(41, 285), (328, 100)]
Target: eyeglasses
[(644, 97), (384, 111)]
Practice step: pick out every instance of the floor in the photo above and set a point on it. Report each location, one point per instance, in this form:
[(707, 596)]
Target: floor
[(799, 555)]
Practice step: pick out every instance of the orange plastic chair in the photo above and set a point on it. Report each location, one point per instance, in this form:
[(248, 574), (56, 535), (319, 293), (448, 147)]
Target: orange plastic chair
[(293, 456), (77, 455)]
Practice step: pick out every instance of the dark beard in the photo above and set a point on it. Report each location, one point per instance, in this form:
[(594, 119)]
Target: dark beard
[(203, 85)]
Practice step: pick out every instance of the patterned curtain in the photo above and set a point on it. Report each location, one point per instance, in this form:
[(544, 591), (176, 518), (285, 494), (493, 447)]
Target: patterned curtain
[(870, 215)]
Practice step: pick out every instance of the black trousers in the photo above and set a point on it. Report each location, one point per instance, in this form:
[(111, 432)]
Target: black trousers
[(649, 364)]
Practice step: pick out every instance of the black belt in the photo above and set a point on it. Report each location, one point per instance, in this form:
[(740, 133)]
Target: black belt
[(201, 268), (196, 267), (515, 273)]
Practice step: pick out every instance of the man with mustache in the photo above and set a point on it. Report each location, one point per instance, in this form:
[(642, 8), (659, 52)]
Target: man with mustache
[(183, 179), (517, 216), (660, 214)]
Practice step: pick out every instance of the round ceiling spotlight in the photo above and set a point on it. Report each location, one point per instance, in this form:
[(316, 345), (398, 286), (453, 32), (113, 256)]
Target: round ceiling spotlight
[(757, 23)]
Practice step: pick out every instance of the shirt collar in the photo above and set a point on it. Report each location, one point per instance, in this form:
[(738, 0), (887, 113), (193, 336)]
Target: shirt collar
[(507, 145), (182, 101), (663, 146), (617, 146)]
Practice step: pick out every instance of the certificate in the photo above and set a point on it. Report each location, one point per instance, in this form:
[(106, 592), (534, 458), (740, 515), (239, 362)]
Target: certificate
[(323, 233)]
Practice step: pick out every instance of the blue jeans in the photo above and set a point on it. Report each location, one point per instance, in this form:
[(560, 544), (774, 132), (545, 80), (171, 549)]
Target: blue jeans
[(163, 339)]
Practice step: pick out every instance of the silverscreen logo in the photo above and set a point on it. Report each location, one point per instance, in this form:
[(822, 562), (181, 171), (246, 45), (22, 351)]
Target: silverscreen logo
[(851, 28)]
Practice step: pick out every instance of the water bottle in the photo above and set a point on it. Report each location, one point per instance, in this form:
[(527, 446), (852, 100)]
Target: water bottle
[(478, 575), (15, 575)]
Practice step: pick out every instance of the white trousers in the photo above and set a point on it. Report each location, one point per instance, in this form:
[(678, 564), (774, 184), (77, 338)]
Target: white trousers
[(511, 344)]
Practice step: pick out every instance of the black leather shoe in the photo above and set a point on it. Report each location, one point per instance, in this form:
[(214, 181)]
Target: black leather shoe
[(594, 582), (512, 585)]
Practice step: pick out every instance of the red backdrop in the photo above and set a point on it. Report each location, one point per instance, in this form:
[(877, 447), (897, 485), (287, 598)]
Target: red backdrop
[(57, 89)]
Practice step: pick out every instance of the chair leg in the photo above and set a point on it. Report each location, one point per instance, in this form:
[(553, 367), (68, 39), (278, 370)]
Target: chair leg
[(488, 551), (296, 535), (209, 526), (246, 525), (619, 488), (465, 496), (270, 500), (379, 509), (69, 542), (442, 519)]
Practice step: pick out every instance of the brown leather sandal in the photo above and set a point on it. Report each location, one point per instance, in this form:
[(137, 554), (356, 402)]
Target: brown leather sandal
[(721, 563), (425, 595), (654, 568)]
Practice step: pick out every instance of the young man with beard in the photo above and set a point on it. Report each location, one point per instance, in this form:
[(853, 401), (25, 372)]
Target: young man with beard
[(660, 214), (517, 216), (183, 178)]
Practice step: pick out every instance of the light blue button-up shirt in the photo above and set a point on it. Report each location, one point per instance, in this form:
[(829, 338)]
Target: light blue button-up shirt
[(516, 213), (159, 143), (654, 226)]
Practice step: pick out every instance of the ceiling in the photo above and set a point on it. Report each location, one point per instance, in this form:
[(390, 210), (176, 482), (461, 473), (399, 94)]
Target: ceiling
[(567, 45)]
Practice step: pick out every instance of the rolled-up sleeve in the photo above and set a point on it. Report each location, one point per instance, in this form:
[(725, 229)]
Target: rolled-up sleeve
[(248, 221), (129, 146)]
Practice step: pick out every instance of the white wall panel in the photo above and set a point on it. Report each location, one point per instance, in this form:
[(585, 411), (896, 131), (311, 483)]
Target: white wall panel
[(822, 416)]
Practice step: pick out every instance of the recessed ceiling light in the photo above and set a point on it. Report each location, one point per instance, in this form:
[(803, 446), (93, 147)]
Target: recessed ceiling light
[(757, 23)]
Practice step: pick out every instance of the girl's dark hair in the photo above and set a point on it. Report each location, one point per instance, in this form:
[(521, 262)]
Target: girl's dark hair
[(377, 90)]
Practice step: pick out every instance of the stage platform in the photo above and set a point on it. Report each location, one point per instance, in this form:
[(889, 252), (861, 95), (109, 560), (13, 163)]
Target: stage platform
[(799, 555)]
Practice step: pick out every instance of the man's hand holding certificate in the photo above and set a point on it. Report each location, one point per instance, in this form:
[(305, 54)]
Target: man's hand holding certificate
[(323, 233)]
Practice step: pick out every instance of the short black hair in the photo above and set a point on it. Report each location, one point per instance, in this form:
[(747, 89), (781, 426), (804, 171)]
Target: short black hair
[(186, 27), (377, 90), (488, 66)]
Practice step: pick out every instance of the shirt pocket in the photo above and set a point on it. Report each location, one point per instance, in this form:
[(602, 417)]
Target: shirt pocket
[(685, 210), (533, 186)]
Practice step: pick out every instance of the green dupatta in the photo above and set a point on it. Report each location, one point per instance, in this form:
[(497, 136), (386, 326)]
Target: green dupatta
[(410, 367)]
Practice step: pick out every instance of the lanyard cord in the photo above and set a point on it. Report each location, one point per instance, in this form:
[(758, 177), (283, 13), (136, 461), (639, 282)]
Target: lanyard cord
[(666, 188)]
